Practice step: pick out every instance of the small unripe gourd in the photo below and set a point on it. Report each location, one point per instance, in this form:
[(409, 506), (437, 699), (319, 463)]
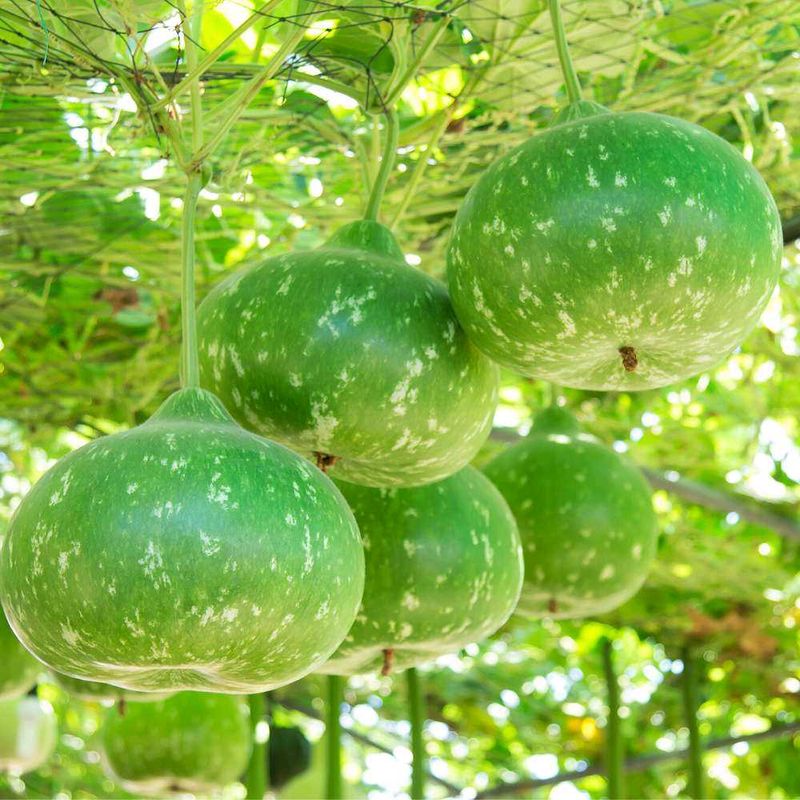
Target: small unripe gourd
[(288, 754), (185, 553), (444, 568), (191, 742), (18, 668), (28, 731), (614, 251), (349, 352), (585, 516)]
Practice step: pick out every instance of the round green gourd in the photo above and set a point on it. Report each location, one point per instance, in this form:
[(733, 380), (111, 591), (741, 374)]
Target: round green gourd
[(186, 553), (190, 742), (614, 251), (348, 351), (288, 754), (28, 731), (18, 668), (444, 568), (585, 516), (95, 692)]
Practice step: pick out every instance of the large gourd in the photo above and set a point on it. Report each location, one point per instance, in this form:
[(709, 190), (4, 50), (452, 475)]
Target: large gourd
[(18, 668), (28, 731), (614, 250), (188, 743), (585, 516), (444, 568), (349, 352), (186, 553)]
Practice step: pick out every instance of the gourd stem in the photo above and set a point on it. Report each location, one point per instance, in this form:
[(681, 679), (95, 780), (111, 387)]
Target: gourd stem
[(190, 43), (190, 372), (614, 743), (411, 69), (690, 705), (256, 776), (195, 70), (334, 735), (555, 393), (416, 718), (387, 164), (571, 82)]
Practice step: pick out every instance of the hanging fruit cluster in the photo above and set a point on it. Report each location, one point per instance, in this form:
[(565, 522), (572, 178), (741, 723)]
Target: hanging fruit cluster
[(612, 251)]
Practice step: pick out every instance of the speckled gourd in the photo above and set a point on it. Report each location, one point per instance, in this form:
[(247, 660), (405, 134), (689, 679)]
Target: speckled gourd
[(18, 668), (185, 553), (95, 692), (28, 730), (191, 742), (348, 351), (585, 516), (614, 251), (444, 568)]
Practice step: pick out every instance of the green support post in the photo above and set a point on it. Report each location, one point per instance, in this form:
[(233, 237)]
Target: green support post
[(614, 758), (256, 778), (416, 717), (691, 703), (333, 731)]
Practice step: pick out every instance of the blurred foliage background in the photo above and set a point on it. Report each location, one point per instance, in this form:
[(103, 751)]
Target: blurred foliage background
[(90, 214)]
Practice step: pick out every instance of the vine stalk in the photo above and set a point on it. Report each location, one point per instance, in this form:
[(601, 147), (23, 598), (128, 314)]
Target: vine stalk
[(410, 71), (690, 705), (416, 717), (333, 729), (614, 759), (256, 776), (387, 164), (190, 373), (196, 69), (571, 81)]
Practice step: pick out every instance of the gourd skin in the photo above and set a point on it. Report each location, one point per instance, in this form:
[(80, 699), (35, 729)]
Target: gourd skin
[(189, 743), (585, 516), (28, 731), (444, 568), (611, 231), (18, 668), (94, 692), (348, 351), (185, 553)]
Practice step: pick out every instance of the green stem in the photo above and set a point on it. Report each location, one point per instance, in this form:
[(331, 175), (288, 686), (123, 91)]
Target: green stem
[(410, 72), (690, 705), (416, 717), (268, 743), (614, 744), (190, 373), (439, 131), (251, 90), (333, 730), (256, 777), (387, 164), (567, 68), (195, 70), (555, 393), (190, 42)]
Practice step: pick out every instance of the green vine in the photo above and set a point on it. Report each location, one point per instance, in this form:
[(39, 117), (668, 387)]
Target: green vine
[(571, 81), (416, 718), (615, 746), (333, 729), (386, 165), (256, 776)]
